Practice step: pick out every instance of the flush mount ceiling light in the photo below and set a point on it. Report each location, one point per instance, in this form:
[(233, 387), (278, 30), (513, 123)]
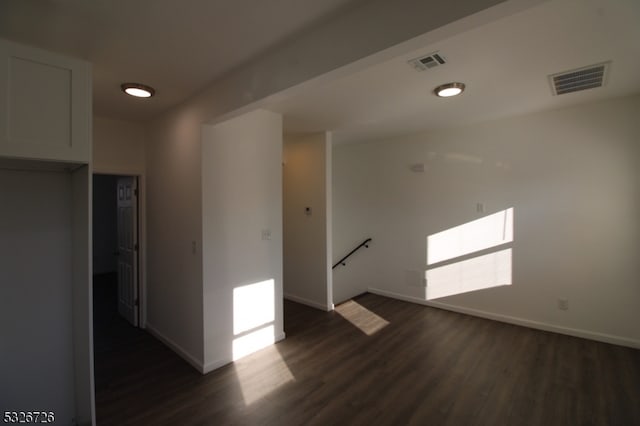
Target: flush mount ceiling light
[(138, 90), (449, 89)]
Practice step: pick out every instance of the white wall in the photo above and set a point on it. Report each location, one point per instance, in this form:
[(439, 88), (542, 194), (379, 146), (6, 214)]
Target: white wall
[(82, 295), (36, 348), (571, 177), (118, 146), (174, 223), (307, 238), (242, 198), (173, 147), (355, 218)]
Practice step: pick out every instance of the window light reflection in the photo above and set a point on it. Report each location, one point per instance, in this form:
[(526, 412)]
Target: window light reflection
[(253, 306), (260, 376), (365, 320), (253, 317), (479, 234), (478, 273)]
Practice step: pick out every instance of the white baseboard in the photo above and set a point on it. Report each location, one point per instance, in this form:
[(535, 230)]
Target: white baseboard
[(214, 365), (202, 368), (175, 347), (308, 302), (585, 334)]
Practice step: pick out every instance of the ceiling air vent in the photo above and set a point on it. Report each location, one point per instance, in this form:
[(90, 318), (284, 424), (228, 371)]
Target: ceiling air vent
[(579, 79), (427, 62)]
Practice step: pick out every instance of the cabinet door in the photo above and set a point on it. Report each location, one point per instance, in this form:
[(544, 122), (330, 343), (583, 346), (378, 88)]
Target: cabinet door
[(45, 105)]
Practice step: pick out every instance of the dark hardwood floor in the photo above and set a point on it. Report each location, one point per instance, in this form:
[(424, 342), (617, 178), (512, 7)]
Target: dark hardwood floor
[(425, 367)]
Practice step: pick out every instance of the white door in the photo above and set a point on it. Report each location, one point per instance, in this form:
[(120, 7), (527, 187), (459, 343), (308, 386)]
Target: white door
[(128, 249)]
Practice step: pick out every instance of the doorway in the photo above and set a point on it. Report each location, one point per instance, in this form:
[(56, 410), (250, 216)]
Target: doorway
[(118, 281), (116, 249)]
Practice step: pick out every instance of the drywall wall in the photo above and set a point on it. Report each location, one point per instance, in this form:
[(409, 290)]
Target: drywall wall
[(572, 179), (105, 226), (242, 228), (82, 295), (340, 45), (174, 224), (36, 293), (118, 146), (355, 201), (306, 216)]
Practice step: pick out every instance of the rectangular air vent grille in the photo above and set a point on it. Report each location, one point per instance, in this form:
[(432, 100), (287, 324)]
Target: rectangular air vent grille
[(427, 62), (579, 79)]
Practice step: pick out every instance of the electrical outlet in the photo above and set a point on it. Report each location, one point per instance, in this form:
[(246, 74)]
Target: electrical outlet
[(563, 304), (266, 234)]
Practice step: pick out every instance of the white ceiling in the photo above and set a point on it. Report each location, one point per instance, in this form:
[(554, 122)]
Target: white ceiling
[(179, 47), (176, 46), (504, 64)]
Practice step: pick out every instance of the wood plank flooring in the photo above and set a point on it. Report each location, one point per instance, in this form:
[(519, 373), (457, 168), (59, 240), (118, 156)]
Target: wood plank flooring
[(425, 367)]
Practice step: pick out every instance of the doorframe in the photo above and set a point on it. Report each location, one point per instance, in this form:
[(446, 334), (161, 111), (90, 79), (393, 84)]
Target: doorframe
[(142, 234)]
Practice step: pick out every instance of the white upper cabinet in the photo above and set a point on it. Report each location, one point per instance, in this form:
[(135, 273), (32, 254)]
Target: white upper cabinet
[(45, 105)]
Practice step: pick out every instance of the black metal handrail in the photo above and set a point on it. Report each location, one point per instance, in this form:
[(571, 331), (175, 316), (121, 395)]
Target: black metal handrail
[(365, 243)]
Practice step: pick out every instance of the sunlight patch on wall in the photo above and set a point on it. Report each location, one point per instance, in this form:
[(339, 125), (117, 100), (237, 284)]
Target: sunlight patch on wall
[(478, 273), (365, 320), (480, 234), (261, 376), (253, 306), (253, 317), (253, 341), (460, 273)]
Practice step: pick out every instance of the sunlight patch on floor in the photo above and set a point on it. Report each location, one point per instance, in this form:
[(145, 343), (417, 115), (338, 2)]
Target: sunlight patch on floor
[(262, 374), (365, 320)]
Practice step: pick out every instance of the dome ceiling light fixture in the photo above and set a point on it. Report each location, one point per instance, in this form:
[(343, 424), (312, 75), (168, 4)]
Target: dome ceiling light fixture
[(138, 90), (448, 90)]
